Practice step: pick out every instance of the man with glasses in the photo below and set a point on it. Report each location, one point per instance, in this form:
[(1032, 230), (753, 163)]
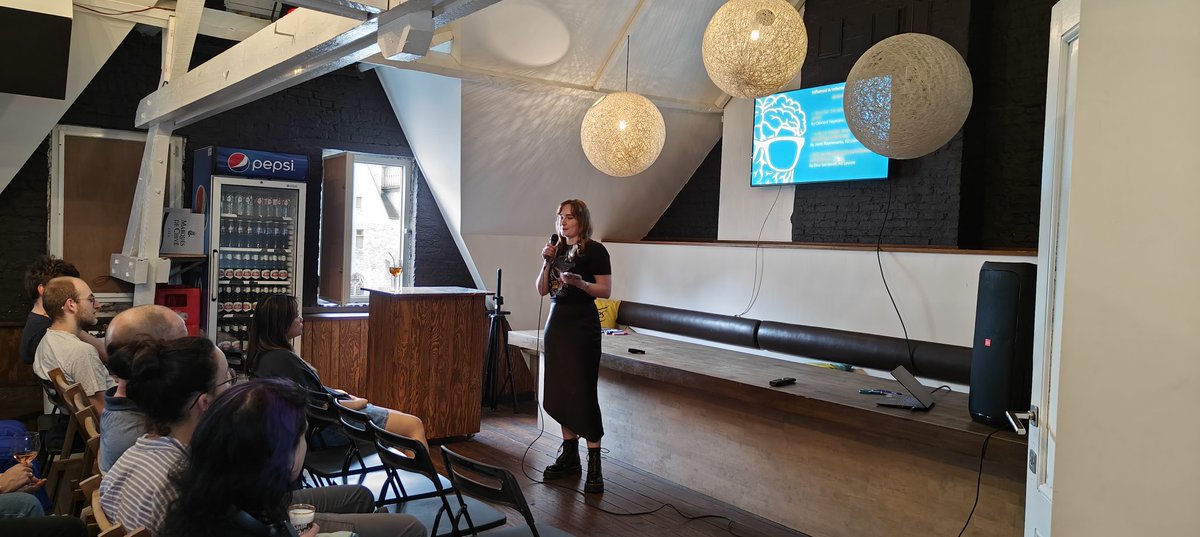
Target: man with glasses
[(71, 306), (122, 421)]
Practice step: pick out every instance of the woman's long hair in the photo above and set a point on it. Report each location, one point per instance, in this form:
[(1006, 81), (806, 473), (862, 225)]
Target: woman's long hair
[(165, 378), (268, 329), (240, 459), (584, 217)]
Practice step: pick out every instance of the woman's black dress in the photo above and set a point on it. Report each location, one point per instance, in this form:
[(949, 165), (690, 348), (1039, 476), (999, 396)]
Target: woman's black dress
[(572, 348)]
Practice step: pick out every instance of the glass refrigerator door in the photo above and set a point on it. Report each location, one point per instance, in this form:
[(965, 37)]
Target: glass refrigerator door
[(258, 243)]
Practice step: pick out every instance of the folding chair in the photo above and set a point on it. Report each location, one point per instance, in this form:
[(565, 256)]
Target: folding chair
[(433, 508), (506, 491), (325, 464)]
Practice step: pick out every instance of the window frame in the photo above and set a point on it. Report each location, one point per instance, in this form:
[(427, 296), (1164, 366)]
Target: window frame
[(339, 292)]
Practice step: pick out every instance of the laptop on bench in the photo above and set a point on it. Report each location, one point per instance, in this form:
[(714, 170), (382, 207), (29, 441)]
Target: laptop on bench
[(919, 398)]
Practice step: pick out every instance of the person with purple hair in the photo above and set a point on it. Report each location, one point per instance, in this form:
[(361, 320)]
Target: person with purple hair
[(246, 453)]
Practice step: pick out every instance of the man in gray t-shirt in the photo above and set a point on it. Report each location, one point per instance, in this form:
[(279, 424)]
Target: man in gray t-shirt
[(71, 306)]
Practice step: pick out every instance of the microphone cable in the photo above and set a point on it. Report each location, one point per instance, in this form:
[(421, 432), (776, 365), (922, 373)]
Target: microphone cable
[(542, 431)]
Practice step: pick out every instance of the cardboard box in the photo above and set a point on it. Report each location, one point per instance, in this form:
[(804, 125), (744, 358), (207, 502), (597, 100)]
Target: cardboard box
[(183, 232)]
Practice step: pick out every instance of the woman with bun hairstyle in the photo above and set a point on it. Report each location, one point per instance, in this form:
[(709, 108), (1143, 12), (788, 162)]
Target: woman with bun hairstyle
[(245, 454), (174, 383), (276, 322)]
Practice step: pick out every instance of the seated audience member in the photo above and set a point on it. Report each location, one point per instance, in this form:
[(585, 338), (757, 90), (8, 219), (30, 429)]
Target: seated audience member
[(173, 383), (276, 322), (37, 275), (16, 485), (72, 306), (245, 454), (122, 422)]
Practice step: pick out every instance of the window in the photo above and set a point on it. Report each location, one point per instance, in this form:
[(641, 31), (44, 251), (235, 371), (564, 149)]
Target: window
[(380, 216)]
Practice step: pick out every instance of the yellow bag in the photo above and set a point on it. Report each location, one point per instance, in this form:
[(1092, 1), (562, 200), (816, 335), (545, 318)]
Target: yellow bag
[(608, 312)]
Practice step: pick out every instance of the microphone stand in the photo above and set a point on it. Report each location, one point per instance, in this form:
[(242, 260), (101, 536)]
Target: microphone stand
[(497, 347)]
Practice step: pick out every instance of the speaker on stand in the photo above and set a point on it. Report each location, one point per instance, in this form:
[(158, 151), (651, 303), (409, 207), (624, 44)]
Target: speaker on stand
[(1002, 357), (497, 349)]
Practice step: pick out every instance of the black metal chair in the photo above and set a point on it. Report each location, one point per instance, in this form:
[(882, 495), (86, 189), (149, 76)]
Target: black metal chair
[(323, 463), (506, 491), (403, 455)]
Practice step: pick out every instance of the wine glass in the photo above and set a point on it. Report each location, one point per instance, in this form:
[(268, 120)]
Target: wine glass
[(395, 270), (25, 447)]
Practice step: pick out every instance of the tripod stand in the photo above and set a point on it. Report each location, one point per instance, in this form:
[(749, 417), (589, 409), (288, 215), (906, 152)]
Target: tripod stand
[(497, 348)]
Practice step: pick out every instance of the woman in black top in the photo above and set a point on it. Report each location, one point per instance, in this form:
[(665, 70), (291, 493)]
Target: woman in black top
[(575, 271), (276, 322)]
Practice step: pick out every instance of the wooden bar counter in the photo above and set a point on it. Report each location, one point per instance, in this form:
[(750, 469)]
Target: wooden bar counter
[(425, 348), (815, 456)]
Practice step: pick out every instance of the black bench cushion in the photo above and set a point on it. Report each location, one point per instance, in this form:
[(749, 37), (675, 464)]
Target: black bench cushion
[(697, 324), (934, 360)]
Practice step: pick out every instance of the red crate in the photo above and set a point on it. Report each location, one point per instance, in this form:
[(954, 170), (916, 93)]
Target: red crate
[(184, 300)]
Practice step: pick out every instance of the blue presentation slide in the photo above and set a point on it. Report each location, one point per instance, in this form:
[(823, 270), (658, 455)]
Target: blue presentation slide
[(801, 136)]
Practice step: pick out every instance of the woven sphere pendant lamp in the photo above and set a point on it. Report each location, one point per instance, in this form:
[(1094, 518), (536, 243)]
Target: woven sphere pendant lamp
[(907, 96), (622, 134), (753, 48)]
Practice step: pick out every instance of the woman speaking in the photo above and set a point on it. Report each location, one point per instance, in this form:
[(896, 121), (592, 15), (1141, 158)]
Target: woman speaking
[(575, 271)]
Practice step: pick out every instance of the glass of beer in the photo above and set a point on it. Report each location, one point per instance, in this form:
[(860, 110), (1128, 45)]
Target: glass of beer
[(395, 271), (301, 516)]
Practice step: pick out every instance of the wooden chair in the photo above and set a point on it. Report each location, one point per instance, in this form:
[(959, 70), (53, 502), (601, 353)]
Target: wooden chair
[(91, 491), (506, 491), (89, 425), (404, 455), (66, 460)]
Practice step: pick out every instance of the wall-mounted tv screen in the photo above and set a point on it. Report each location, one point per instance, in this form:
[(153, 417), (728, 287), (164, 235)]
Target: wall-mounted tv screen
[(801, 136)]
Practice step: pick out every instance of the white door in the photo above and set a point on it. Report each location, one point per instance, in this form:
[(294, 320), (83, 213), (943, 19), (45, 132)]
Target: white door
[(1052, 270)]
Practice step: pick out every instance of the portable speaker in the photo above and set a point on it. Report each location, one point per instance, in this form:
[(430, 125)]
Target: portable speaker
[(1002, 358)]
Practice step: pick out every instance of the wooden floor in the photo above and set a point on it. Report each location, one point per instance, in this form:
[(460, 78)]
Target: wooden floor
[(503, 440)]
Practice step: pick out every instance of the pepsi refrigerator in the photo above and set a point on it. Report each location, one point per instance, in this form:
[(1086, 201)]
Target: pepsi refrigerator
[(254, 206)]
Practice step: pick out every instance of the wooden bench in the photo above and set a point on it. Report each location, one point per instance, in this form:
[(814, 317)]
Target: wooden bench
[(815, 456)]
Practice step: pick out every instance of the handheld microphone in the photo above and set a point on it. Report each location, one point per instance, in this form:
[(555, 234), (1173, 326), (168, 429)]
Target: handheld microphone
[(554, 239)]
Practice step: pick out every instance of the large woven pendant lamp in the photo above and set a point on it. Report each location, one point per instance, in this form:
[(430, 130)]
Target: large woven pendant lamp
[(907, 96), (623, 133), (753, 48)]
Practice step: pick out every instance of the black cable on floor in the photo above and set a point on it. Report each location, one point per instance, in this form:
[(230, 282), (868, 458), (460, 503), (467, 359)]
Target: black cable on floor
[(978, 481), (542, 431)]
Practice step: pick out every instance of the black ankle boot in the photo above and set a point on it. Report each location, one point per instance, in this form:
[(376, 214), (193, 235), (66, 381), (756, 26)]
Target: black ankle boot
[(567, 463), (595, 479)]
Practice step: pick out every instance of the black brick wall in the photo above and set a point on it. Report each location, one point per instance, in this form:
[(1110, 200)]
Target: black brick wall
[(982, 190), (345, 110), (1002, 159), (694, 212), (24, 212), (438, 261)]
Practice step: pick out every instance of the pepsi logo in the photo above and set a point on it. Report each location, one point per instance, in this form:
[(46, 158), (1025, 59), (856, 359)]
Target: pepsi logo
[(238, 162)]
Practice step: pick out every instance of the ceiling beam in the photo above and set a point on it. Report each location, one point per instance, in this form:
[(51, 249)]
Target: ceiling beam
[(444, 64), (298, 47), (213, 23), (617, 43), (344, 8)]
